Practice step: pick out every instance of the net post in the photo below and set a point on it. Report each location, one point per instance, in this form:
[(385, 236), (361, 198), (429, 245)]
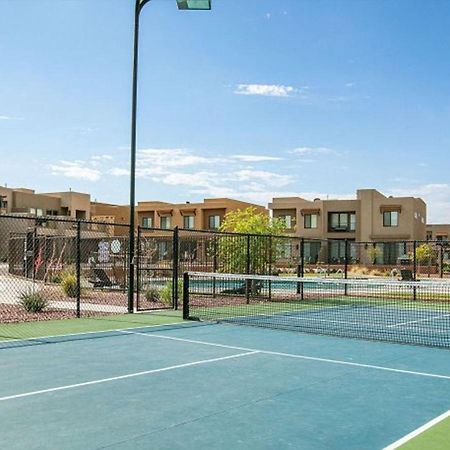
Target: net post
[(186, 296), (78, 268), (301, 268), (138, 264), (175, 263), (346, 266)]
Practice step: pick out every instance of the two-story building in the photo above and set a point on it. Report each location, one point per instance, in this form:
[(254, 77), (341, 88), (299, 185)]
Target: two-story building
[(206, 215), (370, 217), (21, 201)]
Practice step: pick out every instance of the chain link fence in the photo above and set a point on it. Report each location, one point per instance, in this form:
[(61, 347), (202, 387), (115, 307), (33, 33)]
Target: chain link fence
[(55, 268)]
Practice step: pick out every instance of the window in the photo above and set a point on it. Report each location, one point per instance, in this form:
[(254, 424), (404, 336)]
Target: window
[(342, 221), (165, 222), (429, 235), (3, 201), (284, 250), (310, 220), (188, 222), (390, 218), (214, 222), (312, 251), (147, 222), (287, 220), (52, 212), (337, 251)]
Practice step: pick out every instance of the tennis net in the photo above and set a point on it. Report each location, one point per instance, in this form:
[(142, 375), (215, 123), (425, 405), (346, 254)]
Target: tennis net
[(386, 310)]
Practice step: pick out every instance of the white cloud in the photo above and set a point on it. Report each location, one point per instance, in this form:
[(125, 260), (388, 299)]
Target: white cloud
[(349, 85), (171, 157), (256, 158), (313, 151), (266, 177), (75, 169), (435, 195), (102, 157), (10, 118), (270, 90), (118, 172)]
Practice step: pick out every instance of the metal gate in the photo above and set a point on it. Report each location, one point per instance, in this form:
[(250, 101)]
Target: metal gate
[(156, 269)]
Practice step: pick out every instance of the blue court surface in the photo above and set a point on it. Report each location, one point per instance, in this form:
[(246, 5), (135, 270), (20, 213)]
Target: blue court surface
[(216, 386)]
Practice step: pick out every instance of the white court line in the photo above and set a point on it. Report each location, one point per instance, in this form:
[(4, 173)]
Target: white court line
[(303, 357), (123, 377), (84, 333), (417, 432), (418, 321)]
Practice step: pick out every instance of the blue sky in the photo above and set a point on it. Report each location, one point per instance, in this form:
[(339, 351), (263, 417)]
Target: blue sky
[(254, 99)]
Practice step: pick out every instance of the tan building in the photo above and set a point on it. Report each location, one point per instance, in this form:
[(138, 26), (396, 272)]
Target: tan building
[(438, 232), (22, 201), (370, 217), (206, 215)]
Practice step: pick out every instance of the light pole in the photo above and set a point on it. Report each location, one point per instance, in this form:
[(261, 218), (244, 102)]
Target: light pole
[(182, 5)]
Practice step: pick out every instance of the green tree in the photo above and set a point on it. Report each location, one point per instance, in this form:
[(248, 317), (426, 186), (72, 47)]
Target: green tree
[(425, 254), (255, 252), (374, 253)]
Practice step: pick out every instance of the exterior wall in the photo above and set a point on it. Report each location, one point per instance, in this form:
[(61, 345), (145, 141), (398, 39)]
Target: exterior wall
[(368, 207), (412, 217), (71, 204), (438, 232), (200, 211), (76, 204)]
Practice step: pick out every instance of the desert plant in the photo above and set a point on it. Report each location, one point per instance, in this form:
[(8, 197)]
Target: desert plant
[(152, 295), (69, 284), (33, 302), (166, 292)]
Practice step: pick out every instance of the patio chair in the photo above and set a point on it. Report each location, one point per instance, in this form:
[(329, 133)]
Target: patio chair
[(254, 289), (100, 278), (406, 275)]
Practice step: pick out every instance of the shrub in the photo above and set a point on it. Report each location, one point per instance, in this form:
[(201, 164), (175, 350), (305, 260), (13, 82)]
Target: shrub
[(33, 302), (69, 284), (152, 295), (166, 292)]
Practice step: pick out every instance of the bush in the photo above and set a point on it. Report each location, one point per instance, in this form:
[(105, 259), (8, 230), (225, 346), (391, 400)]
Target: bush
[(33, 302), (152, 295), (69, 284), (166, 292)]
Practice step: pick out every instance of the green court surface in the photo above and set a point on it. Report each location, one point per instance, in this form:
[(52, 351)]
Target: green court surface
[(436, 438), (28, 330), (152, 381)]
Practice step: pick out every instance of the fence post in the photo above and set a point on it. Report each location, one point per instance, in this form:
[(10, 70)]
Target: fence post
[(247, 271), (175, 265), (138, 266), (78, 268), (415, 269), (186, 296), (301, 268), (346, 266), (441, 261)]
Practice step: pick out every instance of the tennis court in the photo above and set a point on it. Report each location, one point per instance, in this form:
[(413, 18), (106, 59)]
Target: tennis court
[(155, 381)]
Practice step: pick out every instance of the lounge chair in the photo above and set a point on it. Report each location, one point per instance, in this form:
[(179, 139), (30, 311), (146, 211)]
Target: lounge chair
[(254, 288), (100, 278), (406, 275)]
